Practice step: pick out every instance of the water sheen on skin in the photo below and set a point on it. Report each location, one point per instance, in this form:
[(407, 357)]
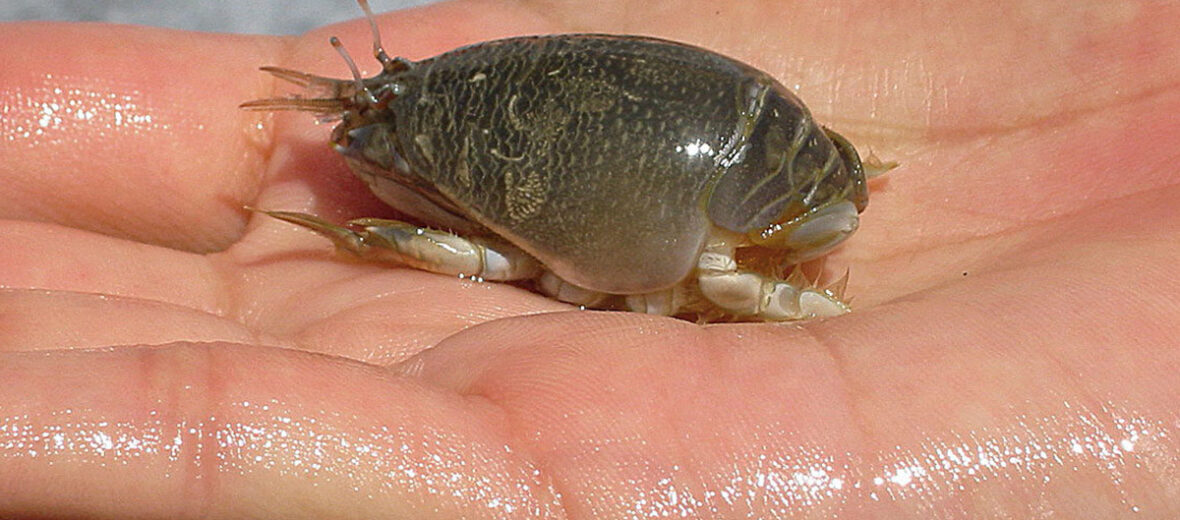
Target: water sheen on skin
[(952, 475)]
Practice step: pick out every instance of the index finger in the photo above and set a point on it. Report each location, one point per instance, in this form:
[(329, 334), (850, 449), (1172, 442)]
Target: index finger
[(131, 131)]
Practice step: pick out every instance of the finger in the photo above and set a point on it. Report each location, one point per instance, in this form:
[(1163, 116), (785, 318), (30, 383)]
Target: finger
[(66, 287), (224, 431), (53, 320), (128, 131), (53, 258)]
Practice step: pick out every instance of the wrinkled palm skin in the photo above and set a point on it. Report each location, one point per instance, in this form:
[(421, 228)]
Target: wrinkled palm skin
[(1013, 350)]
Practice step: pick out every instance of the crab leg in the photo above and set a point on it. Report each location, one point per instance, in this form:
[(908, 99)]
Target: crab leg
[(421, 248), (665, 303), (562, 290), (750, 294)]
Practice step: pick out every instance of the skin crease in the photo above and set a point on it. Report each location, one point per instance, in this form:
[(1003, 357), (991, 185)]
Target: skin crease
[(1012, 353)]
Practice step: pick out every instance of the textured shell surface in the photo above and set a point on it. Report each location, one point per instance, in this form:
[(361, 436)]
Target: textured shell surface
[(608, 158)]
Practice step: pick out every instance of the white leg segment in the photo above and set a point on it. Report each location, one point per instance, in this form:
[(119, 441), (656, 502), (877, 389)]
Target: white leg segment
[(746, 293), (422, 248), (664, 303), (562, 290)]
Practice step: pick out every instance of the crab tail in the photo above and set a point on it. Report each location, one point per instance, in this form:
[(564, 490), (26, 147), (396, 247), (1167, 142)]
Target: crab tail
[(328, 96)]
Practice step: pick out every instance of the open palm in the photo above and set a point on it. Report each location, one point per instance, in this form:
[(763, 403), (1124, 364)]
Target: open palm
[(1013, 350)]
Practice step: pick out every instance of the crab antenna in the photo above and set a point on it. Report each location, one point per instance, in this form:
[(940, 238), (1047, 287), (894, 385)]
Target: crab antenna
[(378, 50), (356, 73)]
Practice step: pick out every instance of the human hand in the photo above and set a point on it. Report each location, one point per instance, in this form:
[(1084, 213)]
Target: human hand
[(1012, 350)]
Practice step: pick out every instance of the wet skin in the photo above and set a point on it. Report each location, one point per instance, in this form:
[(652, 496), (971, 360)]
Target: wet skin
[(1012, 350)]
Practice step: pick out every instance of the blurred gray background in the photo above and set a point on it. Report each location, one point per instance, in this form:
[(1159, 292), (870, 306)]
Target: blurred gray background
[(237, 16)]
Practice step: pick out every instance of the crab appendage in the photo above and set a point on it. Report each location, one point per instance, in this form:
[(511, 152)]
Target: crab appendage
[(561, 290), (875, 166), (755, 295), (667, 302), (422, 248)]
